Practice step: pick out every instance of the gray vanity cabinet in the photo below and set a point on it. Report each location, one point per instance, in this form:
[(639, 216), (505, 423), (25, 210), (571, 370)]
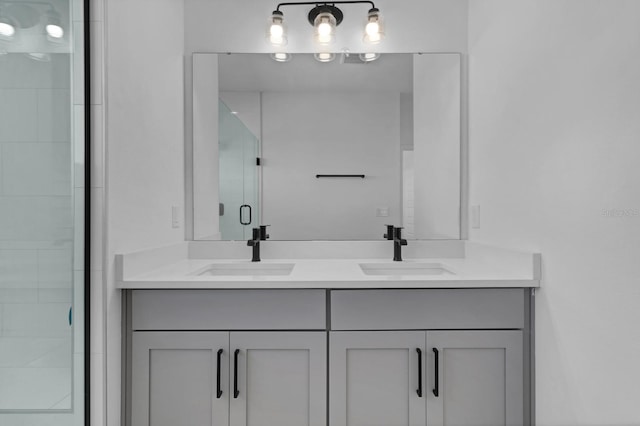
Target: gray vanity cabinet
[(385, 344), (374, 377), (388, 378), (259, 378), (479, 378), (281, 379), (174, 379), (312, 357), (193, 362)]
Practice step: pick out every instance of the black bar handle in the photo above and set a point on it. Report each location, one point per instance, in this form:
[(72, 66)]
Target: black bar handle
[(242, 222), (419, 390), (436, 391), (390, 232), (236, 392), (219, 390), (340, 176)]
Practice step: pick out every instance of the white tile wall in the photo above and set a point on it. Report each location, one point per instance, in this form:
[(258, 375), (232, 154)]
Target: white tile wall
[(36, 320), (20, 72), (36, 168), (18, 115), (18, 268), (39, 218), (53, 115), (55, 269)]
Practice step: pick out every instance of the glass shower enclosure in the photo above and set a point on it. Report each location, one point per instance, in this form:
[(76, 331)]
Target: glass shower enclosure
[(42, 209), (238, 153)]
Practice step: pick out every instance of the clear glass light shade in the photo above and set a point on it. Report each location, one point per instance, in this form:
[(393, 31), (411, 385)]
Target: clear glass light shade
[(374, 29), (368, 57), (324, 56), (53, 26), (281, 57), (325, 28), (276, 31)]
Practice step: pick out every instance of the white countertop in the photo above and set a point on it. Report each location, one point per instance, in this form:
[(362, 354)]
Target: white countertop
[(479, 266)]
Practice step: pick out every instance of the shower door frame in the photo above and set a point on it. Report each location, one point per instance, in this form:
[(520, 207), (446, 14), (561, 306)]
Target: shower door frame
[(87, 210)]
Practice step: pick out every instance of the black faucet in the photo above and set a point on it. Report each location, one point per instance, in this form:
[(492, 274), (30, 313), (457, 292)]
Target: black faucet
[(395, 234), (259, 234)]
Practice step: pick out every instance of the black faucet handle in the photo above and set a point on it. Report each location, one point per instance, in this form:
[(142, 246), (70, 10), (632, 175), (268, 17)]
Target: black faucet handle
[(263, 232), (390, 232), (398, 236)]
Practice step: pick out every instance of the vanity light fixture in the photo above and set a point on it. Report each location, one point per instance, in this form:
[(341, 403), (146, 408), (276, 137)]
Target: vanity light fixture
[(325, 17)]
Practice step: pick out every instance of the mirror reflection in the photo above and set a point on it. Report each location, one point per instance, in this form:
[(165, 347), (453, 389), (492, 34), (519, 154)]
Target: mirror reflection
[(326, 151)]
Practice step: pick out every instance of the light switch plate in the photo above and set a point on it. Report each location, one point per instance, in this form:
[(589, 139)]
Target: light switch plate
[(175, 217), (475, 217), (382, 212)]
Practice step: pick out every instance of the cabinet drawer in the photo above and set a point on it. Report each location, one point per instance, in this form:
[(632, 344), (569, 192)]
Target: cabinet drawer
[(444, 309), (228, 309)]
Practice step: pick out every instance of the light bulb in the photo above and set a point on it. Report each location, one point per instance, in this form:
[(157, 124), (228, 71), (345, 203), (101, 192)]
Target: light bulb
[(6, 29), (325, 24), (324, 29), (54, 31), (276, 30), (372, 28)]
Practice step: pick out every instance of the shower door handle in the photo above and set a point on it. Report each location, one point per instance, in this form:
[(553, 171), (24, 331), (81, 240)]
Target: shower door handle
[(242, 222)]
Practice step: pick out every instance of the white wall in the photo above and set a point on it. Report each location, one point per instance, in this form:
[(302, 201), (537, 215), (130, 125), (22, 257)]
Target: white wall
[(554, 132), (144, 146), (309, 133)]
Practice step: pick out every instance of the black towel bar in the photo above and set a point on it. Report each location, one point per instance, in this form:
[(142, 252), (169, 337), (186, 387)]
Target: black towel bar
[(347, 176)]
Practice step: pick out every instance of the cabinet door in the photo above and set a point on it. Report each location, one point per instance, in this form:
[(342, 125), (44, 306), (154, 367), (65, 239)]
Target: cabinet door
[(175, 379), (278, 378), (375, 377), (479, 378)]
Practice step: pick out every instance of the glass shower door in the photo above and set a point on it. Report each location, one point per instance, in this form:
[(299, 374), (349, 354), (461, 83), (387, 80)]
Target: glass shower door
[(238, 150), (42, 192)]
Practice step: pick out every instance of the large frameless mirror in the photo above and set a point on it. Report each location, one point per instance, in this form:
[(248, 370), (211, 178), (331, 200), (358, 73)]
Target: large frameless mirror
[(326, 150)]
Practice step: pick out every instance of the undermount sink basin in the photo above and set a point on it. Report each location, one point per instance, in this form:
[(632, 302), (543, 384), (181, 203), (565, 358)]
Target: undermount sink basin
[(246, 269), (402, 268)]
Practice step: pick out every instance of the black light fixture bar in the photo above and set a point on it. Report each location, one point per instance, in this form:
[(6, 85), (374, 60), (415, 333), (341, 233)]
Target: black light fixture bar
[(326, 3)]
